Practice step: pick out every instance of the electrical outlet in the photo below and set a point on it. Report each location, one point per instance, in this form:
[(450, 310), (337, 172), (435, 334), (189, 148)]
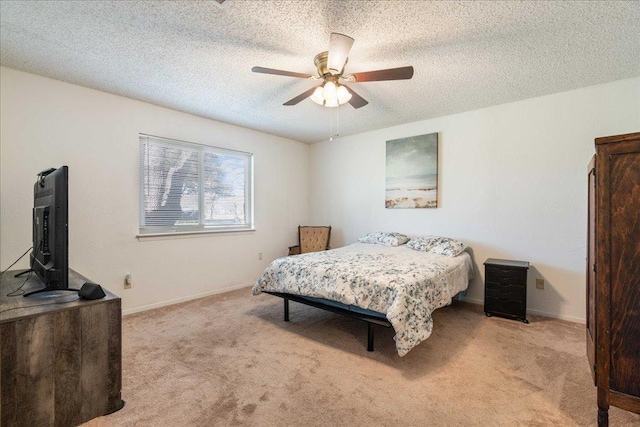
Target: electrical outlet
[(128, 281), (539, 283), (259, 256)]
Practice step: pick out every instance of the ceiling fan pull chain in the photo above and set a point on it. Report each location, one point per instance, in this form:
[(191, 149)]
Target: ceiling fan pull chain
[(330, 125), (331, 134)]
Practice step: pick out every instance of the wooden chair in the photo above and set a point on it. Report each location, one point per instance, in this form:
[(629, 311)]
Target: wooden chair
[(311, 239)]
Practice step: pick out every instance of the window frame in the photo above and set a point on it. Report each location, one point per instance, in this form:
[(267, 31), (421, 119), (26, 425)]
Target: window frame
[(201, 227)]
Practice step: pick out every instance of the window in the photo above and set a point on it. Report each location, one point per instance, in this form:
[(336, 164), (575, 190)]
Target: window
[(186, 187)]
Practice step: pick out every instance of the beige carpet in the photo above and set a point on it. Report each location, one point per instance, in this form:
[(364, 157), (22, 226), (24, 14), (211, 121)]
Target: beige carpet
[(230, 360)]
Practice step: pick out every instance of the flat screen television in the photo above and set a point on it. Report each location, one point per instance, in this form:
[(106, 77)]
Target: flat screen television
[(50, 255)]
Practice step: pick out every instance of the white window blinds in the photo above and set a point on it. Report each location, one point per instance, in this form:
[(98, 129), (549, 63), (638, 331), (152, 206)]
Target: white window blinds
[(186, 187)]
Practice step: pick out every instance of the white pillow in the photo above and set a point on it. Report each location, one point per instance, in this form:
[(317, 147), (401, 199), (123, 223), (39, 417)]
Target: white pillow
[(437, 245), (382, 238)]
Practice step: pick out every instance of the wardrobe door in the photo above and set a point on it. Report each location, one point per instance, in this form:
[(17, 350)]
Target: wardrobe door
[(624, 253), (591, 270)]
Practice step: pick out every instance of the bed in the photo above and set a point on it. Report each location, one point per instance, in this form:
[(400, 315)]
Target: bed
[(393, 286)]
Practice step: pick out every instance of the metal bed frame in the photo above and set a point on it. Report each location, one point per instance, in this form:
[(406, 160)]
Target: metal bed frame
[(371, 317)]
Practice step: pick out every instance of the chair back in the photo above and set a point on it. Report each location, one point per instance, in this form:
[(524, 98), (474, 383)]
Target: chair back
[(313, 239)]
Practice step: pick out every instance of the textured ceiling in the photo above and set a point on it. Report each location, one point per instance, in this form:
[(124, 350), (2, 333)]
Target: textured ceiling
[(197, 56)]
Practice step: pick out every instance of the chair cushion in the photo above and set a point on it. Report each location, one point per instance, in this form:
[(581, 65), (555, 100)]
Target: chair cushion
[(313, 239)]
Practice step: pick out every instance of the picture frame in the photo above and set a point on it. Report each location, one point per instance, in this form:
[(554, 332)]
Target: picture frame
[(411, 179)]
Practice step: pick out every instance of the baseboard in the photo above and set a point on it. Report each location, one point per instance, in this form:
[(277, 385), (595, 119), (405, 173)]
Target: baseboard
[(536, 312), (235, 287), (184, 299)]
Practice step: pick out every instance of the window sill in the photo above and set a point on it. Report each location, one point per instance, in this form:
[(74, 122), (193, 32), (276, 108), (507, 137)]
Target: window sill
[(189, 234)]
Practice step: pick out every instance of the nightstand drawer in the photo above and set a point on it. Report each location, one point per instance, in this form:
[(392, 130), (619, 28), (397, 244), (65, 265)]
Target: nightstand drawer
[(506, 275), (505, 291), (504, 306)]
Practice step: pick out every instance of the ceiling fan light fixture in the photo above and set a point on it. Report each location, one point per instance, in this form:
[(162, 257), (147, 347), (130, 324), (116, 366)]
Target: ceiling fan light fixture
[(333, 102), (331, 94), (329, 91), (343, 94), (317, 96)]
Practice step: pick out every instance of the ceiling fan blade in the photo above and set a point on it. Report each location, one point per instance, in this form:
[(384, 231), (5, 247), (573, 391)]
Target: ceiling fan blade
[(402, 73), (303, 95), (339, 48), (356, 100), (280, 72)]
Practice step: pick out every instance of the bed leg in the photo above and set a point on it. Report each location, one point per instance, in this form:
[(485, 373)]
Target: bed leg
[(369, 336), (286, 309)]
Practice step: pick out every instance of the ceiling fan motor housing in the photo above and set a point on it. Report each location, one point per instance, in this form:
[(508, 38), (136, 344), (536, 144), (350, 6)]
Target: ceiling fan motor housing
[(321, 63), (320, 60)]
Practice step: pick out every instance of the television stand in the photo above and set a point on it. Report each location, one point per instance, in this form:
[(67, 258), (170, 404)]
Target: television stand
[(49, 289), (61, 360)]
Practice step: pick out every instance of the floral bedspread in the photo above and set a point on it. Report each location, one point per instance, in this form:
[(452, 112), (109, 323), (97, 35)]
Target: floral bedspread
[(404, 284)]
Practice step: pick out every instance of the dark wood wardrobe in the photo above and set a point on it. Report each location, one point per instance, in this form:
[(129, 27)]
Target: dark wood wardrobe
[(613, 273)]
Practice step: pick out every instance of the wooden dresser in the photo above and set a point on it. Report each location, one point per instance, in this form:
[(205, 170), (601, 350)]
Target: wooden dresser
[(613, 273), (60, 356)]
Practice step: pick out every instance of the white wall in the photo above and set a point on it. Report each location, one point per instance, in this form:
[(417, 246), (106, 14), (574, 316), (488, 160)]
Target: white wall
[(512, 184), (47, 123)]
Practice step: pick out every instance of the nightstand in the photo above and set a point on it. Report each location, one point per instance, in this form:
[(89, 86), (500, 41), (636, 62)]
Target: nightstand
[(505, 288)]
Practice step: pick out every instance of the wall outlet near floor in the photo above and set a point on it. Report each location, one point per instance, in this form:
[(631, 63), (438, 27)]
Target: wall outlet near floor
[(259, 256), (539, 283), (128, 281)]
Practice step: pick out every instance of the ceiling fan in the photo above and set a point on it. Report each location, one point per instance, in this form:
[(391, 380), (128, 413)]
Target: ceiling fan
[(330, 66)]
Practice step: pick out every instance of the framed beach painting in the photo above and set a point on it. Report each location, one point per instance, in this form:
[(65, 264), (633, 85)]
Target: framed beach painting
[(412, 172)]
